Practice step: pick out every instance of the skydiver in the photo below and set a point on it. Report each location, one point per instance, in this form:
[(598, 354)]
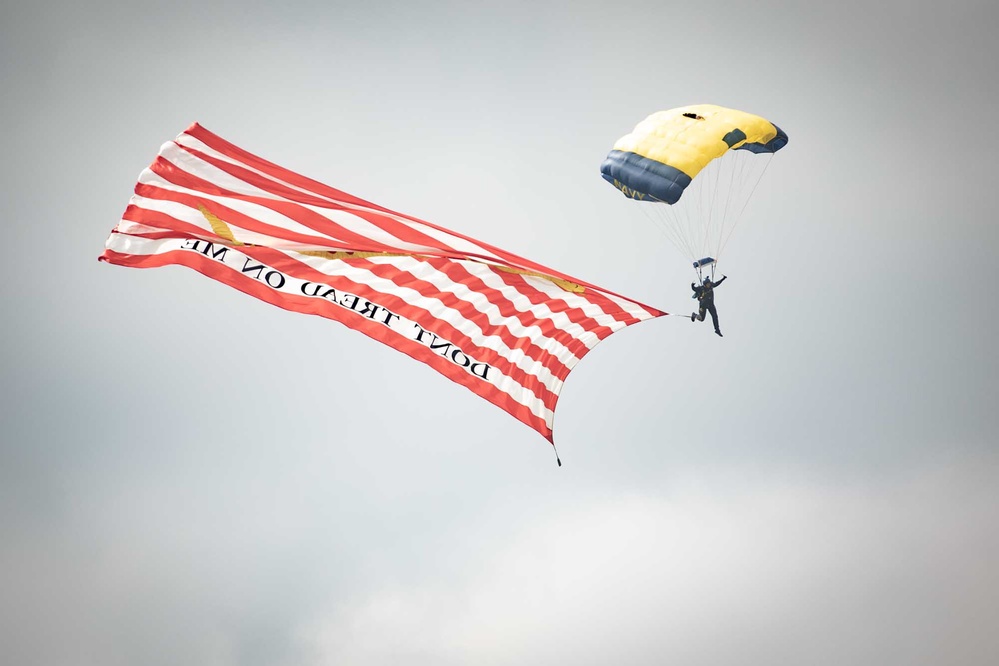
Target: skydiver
[(705, 295)]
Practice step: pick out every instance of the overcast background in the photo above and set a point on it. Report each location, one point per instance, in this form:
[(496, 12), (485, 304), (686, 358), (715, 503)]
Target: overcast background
[(189, 475)]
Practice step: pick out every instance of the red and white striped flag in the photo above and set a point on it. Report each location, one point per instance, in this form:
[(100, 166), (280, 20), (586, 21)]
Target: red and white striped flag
[(507, 328)]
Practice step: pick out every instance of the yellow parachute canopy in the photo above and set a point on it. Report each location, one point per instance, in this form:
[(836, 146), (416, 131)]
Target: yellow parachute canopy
[(665, 153)]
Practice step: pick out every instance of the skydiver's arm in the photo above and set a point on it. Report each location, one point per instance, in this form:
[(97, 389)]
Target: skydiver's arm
[(724, 277)]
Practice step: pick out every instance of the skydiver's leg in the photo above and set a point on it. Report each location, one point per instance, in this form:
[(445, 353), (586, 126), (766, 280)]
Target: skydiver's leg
[(714, 318), (700, 313)]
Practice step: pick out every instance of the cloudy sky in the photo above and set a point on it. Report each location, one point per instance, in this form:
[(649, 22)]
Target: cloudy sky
[(188, 475)]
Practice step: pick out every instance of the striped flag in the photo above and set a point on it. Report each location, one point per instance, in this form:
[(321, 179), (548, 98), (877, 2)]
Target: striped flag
[(505, 327)]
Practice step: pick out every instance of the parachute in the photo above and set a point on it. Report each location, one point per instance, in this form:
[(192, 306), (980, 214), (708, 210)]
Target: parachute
[(693, 169)]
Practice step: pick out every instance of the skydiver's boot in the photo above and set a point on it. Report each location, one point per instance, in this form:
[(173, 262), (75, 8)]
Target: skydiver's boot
[(719, 333), (693, 316)]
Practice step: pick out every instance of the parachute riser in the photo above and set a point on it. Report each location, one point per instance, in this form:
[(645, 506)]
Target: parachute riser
[(702, 266)]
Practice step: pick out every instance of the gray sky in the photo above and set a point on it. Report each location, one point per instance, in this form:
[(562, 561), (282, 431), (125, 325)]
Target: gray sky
[(188, 475)]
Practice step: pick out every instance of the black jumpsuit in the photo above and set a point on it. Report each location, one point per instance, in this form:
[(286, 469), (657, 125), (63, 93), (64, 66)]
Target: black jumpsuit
[(706, 298)]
